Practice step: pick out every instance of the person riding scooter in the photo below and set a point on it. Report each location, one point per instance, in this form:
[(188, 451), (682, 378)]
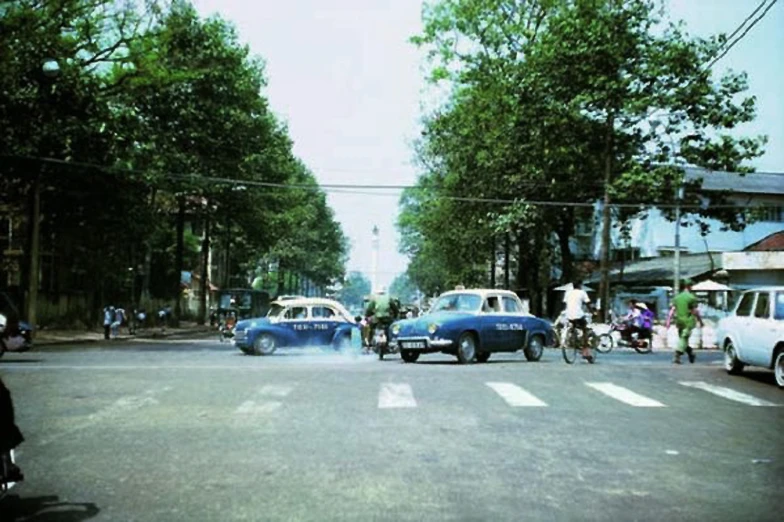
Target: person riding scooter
[(382, 311)]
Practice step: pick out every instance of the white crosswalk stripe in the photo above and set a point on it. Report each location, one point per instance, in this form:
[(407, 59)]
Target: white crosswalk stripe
[(261, 401), (396, 395), (728, 393), (514, 395), (624, 395)]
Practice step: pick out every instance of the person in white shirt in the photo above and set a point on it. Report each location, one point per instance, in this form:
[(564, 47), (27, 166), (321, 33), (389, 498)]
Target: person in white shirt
[(576, 300)]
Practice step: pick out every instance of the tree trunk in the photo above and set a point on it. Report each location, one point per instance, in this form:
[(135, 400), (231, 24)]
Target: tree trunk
[(281, 280), (506, 261), (178, 260), (145, 295), (227, 265), (564, 231), (205, 273), (604, 287), (492, 262)]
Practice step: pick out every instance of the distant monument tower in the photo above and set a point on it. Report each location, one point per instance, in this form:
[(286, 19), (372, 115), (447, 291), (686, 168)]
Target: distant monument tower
[(374, 261)]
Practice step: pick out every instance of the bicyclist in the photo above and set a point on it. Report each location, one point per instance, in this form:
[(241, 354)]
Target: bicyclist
[(576, 301)]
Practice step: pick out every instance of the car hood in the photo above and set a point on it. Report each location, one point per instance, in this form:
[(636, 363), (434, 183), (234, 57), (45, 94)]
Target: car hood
[(252, 323), (419, 326)]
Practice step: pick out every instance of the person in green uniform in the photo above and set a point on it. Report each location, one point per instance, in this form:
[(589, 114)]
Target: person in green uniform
[(382, 310), (684, 310)]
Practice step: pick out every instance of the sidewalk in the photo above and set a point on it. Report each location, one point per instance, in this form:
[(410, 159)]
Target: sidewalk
[(60, 337)]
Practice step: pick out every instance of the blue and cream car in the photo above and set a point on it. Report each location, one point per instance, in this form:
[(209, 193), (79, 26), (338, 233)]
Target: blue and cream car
[(293, 323), (472, 324)]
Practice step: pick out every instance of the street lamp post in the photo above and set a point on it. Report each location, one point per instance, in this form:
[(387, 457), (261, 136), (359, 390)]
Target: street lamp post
[(50, 69)]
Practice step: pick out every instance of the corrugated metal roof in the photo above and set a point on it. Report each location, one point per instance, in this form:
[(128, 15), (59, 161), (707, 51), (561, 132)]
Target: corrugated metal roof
[(662, 269), (752, 183)]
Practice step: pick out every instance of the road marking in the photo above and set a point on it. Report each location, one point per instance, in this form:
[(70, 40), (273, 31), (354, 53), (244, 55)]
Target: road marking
[(121, 406), (728, 393), (396, 395), (624, 395), (514, 395), (259, 404)]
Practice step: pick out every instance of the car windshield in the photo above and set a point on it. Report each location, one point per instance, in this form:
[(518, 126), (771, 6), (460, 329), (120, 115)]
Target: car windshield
[(457, 303), (276, 310)]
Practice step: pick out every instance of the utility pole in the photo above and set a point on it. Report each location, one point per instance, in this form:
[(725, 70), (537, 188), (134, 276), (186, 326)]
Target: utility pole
[(676, 280), (35, 255), (604, 286), (506, 261)]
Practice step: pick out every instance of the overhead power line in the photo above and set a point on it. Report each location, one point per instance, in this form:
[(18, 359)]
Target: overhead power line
[(732, 44), (363, 189)]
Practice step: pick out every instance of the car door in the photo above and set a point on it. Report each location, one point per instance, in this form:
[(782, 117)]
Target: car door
[(324, 320), (513, 312), (299, 325), (763, 332), (493, 327), (742, 323)]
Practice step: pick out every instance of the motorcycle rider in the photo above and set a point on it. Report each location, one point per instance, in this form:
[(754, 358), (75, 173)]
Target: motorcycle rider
[(382, 310)]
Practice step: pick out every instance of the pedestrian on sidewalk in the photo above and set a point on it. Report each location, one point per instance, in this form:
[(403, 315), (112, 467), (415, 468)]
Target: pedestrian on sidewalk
[(119, 317), (108, 319), (10, 437), (686, 313)]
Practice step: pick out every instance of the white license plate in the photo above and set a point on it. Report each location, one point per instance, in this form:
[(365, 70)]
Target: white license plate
[(415, 344)]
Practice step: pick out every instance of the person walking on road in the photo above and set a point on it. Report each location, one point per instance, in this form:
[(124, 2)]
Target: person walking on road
[(684, 310), (108, 319), (119, 317)]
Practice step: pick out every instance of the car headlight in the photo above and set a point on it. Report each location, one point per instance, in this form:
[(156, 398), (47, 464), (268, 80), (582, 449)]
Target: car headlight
[(432, 327), (395, 329)]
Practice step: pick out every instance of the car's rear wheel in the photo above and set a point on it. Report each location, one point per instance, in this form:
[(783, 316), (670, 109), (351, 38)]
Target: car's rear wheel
[(731, 362), (409, 356), (264, 344), (466, 348), (778, 368), (483, 357)]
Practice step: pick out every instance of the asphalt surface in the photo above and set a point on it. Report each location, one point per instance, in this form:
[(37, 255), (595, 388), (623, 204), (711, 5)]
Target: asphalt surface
[(192, 430)]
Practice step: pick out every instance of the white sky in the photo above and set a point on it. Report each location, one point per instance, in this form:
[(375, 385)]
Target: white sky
[(344, 77)]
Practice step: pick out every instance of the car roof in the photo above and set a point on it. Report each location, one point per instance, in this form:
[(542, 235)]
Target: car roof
[(765, 289), (313, 301), (482, 292)]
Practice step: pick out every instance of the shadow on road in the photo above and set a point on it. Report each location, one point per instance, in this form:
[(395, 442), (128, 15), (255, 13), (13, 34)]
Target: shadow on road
[(762, 376), (45, 509)]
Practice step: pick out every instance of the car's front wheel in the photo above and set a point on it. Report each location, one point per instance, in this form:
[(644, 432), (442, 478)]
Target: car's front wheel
[(778, 368), (533, 352), (466, 348), (264, 344), (409, 356), (731, 362)]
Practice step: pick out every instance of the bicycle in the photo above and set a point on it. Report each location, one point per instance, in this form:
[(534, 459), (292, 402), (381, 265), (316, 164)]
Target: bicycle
[(573, 347)]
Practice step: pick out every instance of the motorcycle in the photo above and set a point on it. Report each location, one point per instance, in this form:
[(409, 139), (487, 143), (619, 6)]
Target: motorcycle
[(14, 338), (623, 334), (380, 342), (226, 328)]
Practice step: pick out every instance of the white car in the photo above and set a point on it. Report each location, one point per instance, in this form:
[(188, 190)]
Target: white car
[(753, 334)]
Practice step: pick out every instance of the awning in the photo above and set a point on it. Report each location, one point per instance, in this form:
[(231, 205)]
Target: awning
[(710, 286)]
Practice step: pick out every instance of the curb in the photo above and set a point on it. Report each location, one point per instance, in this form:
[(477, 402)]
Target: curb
[(92, 340)]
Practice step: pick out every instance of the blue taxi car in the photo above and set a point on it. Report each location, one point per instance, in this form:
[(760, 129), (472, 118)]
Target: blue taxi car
[(472, 324), (296, 322)]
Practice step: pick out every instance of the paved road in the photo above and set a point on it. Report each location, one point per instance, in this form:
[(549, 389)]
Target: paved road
[(191, 430)]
